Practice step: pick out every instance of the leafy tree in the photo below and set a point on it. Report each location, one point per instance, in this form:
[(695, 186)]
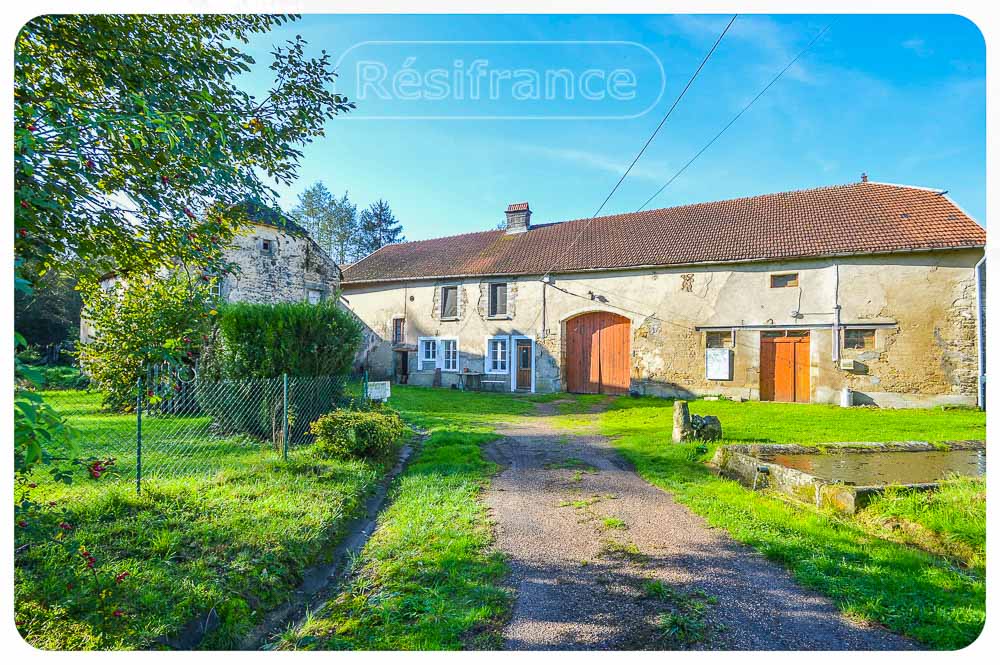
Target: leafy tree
[(133, 142), (377, 226), (130, 130), (51, 314), (142, 322), (330, 221)]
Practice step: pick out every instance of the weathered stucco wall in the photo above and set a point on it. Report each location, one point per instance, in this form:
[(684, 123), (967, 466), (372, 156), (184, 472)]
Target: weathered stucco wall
[(925, 354)]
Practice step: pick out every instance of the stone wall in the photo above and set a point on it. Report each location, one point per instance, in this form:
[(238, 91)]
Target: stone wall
[(286, 272), (923, 303), (292, 267)]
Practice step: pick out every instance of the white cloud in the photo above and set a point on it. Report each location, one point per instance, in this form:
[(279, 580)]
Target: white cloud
[(918, 46), (777, 42), (650, 170)]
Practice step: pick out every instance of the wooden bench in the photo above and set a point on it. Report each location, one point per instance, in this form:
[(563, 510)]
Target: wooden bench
[(491, 385)]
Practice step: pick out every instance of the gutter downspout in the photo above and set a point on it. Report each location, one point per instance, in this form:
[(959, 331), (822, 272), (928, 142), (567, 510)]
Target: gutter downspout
[(836, 313), (980, 335)]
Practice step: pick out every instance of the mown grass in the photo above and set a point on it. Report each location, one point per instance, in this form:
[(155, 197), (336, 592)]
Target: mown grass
[(427, 579), (872, 578), (775, 422), (233, 537)]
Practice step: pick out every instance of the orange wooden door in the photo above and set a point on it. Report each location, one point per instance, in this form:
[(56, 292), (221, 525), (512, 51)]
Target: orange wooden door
[(597, 353), (616, 338), (784, 368), (801, 365)]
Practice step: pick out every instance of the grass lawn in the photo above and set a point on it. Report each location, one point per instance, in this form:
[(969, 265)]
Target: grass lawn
[(924, 579), (233, 537), (427, 579)]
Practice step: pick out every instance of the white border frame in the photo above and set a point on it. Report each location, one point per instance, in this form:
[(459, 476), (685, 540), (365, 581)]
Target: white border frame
[(513, 372)]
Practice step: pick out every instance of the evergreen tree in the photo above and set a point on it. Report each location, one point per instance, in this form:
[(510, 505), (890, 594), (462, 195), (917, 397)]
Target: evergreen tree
[(345, 215), (331, 222), (377, 227)]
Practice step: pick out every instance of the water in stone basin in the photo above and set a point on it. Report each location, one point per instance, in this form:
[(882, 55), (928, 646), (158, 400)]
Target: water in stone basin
[(901, 468)]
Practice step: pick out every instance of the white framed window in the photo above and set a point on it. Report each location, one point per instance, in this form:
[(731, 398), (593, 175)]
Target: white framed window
[(497, 355), (266, 246), (449, 355), (497, 300), (438, 352), (427, 352)]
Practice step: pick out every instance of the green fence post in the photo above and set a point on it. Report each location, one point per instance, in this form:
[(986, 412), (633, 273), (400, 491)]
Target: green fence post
[(138, 436), (284, 436)]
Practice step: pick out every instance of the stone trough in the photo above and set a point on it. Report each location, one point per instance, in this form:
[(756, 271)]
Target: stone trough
[(844, 476)]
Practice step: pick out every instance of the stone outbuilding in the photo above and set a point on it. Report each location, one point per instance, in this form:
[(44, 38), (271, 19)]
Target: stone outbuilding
[(794, 296), (276, 261)]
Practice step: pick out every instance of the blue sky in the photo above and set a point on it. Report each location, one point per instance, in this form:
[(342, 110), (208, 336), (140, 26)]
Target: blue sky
[(900, 97)]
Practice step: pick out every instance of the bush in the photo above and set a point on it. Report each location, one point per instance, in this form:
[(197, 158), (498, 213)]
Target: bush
[(63, 377), (314, 344), (266, 341), (139, 323), (356, 434)]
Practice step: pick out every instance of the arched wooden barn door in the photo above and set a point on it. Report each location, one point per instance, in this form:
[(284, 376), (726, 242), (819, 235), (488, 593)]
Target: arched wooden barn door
[(598, 351)]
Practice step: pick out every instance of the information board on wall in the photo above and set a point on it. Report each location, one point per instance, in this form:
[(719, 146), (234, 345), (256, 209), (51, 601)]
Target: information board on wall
[(719, 364)]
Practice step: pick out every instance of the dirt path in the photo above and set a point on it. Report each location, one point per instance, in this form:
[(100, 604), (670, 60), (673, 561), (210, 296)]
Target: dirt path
[(602, 560)]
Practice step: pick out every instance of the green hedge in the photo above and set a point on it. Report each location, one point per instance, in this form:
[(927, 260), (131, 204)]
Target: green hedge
[(265, 341), (253, 345)]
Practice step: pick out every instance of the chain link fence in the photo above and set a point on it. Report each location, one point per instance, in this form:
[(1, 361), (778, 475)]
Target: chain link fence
[(189, 427)]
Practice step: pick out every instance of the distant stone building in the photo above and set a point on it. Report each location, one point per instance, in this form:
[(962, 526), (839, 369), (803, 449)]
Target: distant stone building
[(794, 296), (277, 261)]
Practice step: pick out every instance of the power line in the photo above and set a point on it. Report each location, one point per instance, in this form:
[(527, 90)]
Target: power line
[(664, 120), (737, 116)]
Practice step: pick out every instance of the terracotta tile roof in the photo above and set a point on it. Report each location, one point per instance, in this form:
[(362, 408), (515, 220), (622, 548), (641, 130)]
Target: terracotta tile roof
[(859, 218), (517, 207)]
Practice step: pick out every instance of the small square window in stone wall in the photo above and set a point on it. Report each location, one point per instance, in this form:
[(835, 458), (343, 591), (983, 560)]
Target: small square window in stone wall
[(785, 281), (861, 338), (719, 339)]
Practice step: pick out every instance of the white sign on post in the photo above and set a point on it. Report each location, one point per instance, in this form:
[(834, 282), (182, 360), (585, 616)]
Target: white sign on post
[(378, 390), (719, 364)]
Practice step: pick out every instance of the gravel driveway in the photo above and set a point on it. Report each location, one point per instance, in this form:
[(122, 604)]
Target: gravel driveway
[(600, 559)]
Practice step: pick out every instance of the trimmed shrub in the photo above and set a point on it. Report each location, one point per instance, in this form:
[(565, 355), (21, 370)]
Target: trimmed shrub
[(314, 344), (356, 434), (267, 340)]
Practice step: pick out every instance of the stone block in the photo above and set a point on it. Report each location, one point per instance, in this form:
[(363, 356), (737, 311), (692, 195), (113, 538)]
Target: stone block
[(682, 422)]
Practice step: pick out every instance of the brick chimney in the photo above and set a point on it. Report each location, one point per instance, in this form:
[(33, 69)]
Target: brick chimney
[(518, 217)]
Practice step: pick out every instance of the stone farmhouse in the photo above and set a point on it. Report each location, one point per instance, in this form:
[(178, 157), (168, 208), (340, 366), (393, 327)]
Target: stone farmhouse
[(277, 262), (797, 296)]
